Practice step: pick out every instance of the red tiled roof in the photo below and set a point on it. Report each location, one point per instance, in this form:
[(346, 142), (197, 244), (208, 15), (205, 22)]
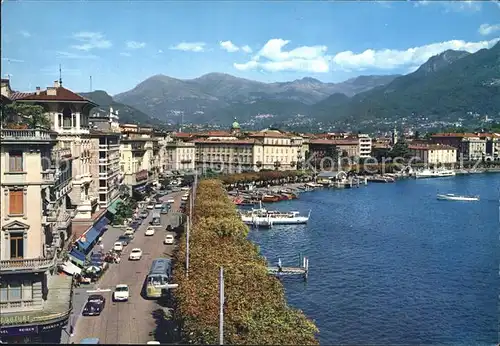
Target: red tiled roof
[(269, 133), (216, 134), (225, 141), (62, 94), (430, 147), (333, 141), (454, 135)]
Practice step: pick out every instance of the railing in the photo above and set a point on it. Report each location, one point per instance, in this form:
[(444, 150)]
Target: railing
[(62, 153), (29, 264), (48, 177), (28, 134)]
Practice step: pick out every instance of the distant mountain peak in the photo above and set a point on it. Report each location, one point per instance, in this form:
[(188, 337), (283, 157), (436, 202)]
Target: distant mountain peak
[(437, 62)]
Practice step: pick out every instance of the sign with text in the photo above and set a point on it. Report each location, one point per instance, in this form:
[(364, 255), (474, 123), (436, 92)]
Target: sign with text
[(31, 330)]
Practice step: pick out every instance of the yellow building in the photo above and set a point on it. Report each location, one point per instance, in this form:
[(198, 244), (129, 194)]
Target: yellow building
[(275, 150), (434, 153), (179, 156)]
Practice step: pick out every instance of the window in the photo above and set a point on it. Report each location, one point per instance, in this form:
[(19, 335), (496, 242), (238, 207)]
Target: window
[(16, 202), (102, 197), (16, 161), (102, 183), (16, 291), (16, 245)]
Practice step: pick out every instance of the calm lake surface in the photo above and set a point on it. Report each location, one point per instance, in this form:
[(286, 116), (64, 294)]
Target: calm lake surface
[(390, 264)]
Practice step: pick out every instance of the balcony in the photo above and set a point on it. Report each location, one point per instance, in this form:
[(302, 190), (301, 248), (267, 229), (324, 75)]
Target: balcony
[(48, 177), (63, 220), (26, 136), (138, 148), (26, 265), (61, 154)]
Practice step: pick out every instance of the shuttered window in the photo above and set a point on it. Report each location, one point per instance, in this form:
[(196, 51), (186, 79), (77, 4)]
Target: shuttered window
[(16, 161), (16, 202)]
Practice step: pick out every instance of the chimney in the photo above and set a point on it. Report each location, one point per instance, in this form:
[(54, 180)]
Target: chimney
[(56, 84), (38, 90)]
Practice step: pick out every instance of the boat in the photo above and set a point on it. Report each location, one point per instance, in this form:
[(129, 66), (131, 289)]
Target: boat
[(262, 216), (453, 197), (270, 198), (434, 173)]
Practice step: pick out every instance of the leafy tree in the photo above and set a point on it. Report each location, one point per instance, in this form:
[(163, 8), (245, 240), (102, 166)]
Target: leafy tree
[(256, 311), (31, 115), (400, 149)]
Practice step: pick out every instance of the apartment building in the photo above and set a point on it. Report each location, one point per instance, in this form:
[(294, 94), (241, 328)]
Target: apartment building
[(326, 153), (470, 146), (433, 154), (229, 155), (365, 145), (139, 156), (34, 303), (179, 156)]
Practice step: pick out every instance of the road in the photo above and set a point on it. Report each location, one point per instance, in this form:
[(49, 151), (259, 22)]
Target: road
[(129, 322)]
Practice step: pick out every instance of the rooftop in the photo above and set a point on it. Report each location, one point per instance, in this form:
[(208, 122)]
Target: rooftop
[(60, 94), (334, 141)]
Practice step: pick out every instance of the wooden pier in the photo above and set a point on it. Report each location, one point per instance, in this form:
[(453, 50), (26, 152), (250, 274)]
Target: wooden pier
[(281, 270)]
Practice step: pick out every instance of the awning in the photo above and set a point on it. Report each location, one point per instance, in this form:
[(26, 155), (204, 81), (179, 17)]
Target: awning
[(90, 238), (101, 224), (77, 256), (112, 207), (70, 268)]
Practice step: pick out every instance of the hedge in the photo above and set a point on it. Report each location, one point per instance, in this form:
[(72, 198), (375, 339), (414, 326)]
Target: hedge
[(261, 176), (256, 311)]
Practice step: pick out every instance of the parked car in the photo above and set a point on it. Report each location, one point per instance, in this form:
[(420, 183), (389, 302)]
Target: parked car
[(150, 206), (158, 206), (121, 293), (130, 234), (169, 239), (124, 239), (185, 188), (150, 231), (144, 214), (135, 254), (170, 201), (118, 246), (94, 306)]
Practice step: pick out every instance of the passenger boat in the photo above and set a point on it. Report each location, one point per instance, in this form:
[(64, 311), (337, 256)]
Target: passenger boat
[(452, 197), (434, 173), (261, 216)]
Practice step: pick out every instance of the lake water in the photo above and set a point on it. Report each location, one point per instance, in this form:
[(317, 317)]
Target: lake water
[(390, 264)]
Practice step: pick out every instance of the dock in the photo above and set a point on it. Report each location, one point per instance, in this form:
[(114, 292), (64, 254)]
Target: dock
[(281, 270)]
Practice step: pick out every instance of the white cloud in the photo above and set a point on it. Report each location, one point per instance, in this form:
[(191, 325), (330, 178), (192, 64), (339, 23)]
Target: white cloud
[(90, 40), (246, 49), (392, 58), (70, 55), (488, 29), (135, 45), (25, 34), (229, 46), (125, 54), (452, 6), (315, 59), (305, 58), (190, 46)]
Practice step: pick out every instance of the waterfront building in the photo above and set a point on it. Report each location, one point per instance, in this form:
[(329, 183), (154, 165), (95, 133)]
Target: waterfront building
[(329, 151), (470, 146), (434, 154), (275, 150), (365, 145)]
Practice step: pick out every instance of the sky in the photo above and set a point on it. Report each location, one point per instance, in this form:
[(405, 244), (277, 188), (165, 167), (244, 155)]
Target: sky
[(121, 43)]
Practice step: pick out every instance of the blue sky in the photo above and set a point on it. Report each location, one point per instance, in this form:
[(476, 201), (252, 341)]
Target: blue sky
[(120, 43)]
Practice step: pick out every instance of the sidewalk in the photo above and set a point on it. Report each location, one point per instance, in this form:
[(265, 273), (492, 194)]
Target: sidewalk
[(80, 294)]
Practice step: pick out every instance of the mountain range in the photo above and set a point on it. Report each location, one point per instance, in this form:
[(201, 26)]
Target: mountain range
[(448, 85)]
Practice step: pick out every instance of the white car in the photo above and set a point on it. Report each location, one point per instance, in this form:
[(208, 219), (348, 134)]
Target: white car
[(171, 201), (185, 188), (169, 239), (118, 246), (150, 206), (121, 293), (150, 231), (135, 254)]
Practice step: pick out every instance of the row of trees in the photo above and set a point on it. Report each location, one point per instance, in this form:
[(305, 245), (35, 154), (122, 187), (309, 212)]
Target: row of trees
[(264, 177), (256, 311)]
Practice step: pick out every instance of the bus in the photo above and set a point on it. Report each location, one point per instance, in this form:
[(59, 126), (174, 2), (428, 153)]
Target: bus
[(156, 220), (158, 277)]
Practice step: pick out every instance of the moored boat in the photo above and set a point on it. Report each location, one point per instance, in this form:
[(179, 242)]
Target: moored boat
[(270, 198), (453, 197), (261, 216)]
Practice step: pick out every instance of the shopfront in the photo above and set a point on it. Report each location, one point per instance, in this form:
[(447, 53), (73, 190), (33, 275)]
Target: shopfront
[(39, 333)]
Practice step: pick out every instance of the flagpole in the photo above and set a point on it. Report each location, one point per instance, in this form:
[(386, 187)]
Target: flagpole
[(221, 306)]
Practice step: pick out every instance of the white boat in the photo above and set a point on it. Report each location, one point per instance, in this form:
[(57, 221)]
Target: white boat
[(452, 197), (261, 216), (434, 173)]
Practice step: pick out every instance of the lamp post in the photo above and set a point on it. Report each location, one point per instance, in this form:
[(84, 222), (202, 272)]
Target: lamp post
[(221, 306)]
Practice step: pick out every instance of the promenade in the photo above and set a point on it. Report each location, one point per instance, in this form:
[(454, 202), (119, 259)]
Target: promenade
[(129, 322)]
